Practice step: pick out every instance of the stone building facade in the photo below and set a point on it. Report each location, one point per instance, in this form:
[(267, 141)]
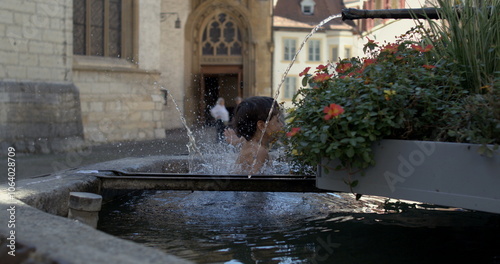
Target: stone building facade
[(84, 72), (39, 102)]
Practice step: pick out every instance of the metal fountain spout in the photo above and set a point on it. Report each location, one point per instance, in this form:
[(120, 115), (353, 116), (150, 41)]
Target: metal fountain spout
[(408, 13)]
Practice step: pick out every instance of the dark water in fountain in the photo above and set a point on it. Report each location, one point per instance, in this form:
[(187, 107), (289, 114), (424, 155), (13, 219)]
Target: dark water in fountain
[(248, 227)]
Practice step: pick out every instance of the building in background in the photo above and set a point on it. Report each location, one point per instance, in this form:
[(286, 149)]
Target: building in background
[(293, 20), (383, 30), (84, 72)]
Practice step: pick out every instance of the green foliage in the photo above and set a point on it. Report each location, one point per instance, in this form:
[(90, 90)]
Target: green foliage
[(469, 39), (401, 90)]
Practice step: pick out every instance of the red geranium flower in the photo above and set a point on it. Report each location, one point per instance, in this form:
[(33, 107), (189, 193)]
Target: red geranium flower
[(391, 48), (343, 67), (294, 132), (321, 67), (371, 40), (321, 77), (421, 49), (304, 72), (333, 110), (369, 62)]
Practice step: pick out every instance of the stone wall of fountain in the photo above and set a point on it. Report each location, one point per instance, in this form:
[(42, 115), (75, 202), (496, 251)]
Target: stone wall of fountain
[(41, 232)]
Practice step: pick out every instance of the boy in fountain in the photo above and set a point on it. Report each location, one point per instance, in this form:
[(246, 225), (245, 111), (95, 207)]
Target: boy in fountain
[(250, 123)]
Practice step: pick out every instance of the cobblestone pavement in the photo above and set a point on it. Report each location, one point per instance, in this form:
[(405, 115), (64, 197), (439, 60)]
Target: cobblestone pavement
[(34, 165)]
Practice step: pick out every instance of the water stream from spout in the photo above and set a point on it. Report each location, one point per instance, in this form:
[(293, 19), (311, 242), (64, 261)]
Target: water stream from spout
[(192, 146), (285, 73)]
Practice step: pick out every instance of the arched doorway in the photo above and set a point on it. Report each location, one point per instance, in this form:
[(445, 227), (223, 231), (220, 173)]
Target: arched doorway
[(220, 58), (221, 63), (228, 22)]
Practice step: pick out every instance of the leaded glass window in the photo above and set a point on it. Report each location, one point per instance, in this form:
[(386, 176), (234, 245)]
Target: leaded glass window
[(102, 28), (221, 37)]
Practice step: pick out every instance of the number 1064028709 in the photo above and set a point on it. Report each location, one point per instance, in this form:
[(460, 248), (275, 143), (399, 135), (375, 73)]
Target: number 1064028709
[(11, 170)]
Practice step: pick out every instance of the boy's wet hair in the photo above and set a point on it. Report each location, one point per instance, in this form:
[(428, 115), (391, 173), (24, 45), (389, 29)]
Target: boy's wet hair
[(250, 111)]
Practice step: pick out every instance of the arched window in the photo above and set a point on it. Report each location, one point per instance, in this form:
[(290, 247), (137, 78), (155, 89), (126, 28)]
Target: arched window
[(221, 37)]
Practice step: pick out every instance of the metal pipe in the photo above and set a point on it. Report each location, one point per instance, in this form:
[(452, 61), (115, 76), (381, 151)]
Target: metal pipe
[(409, 13)]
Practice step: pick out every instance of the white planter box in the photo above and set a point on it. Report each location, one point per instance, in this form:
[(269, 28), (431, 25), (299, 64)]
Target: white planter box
[(448, 174)]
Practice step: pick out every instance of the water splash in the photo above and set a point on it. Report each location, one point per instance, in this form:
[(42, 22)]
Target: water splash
[(285, 73), (220, 159), (192, 146)]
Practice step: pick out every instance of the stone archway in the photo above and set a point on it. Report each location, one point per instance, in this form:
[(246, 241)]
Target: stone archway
[(220, 55)]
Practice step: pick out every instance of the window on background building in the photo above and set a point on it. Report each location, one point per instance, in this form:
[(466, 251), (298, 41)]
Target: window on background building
[(314, 50), (290, 87), (393, 4), (103, 28), (335, 54), (378, 5), (289, 49), (307, 7), (347, 52)]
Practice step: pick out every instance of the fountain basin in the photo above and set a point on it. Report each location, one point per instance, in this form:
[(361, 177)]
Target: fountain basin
[(42, 233), (41, 206)]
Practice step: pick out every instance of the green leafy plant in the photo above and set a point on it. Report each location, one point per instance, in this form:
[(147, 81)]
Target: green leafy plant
[(400, 90), (468, 39)]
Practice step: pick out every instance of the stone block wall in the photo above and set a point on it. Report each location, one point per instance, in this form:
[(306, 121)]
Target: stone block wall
[(121, 105), (39, 105), (39, 117), (35, 44)]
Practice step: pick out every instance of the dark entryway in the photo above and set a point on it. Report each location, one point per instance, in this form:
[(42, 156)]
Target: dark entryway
[(226, 84)]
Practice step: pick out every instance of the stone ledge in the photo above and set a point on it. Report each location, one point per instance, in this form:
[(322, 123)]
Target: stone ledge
[(62, 240), (51, 238)]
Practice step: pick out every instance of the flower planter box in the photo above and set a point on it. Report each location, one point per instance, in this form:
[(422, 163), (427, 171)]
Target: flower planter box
[(448, 174)]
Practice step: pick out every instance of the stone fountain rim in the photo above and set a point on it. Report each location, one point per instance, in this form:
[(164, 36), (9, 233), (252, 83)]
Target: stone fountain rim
[(41, 210)]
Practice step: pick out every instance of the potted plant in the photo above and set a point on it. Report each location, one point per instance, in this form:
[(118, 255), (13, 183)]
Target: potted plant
[(384, 115)]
